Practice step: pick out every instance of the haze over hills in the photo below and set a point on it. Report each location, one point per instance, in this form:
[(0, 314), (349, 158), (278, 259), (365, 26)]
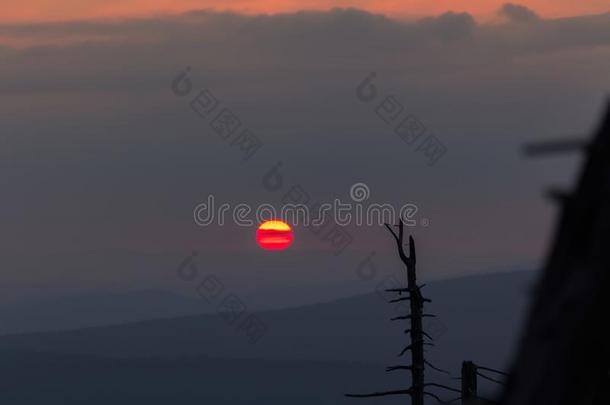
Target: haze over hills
[(355, 328), (350, 329), (309, 355), (34, 378), (95, 310), (104, 309)]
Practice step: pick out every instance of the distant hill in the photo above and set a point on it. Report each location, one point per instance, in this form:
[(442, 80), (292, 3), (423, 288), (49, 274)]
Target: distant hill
[(95, 310), (478, 318), (310, 355), (52, 379)]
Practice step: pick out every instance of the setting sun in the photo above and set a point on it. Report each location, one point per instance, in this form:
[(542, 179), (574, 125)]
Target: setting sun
[(274, 235)]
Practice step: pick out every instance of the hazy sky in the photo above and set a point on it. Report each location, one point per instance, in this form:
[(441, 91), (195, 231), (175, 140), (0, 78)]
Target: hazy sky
[(102, 164), (44, 10)]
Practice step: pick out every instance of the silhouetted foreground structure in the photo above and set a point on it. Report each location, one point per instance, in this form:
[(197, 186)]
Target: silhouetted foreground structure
[(564, 355), (419, 388), (469, 376)]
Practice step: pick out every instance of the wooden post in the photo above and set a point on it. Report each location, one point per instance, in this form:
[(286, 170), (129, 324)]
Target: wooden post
[(469, 383)]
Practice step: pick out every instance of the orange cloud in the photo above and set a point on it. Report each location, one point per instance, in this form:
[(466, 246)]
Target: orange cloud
[(52, 10)]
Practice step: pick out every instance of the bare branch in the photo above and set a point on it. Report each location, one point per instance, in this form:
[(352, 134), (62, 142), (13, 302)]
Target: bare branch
[(409, 317), (392, 232), (399, 290), (556, 146), (401, 227), (412, 257), (436, 368), (442, 386), (405, 350), (490, 379), (380, 394), (411, 290), (392, 368), (434, 396), (413, 344), (557, 195), (492, 370), (401, 250)]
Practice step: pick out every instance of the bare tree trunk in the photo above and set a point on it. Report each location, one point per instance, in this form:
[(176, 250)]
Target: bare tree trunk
[(417, 390), (416, 302), (417, 335)]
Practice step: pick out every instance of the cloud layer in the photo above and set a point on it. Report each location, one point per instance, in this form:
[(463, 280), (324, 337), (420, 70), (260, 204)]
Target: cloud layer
[(100, 157), (51, 10)]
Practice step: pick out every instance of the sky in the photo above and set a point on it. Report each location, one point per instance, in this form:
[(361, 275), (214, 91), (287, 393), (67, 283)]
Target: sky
[(52, 10), (103, 164)]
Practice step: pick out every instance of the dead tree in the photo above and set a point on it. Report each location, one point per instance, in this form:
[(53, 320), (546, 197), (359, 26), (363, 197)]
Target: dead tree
[(418, 337), (564, 353)]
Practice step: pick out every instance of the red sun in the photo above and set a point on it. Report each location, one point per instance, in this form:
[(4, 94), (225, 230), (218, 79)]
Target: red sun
[(274, 235)]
